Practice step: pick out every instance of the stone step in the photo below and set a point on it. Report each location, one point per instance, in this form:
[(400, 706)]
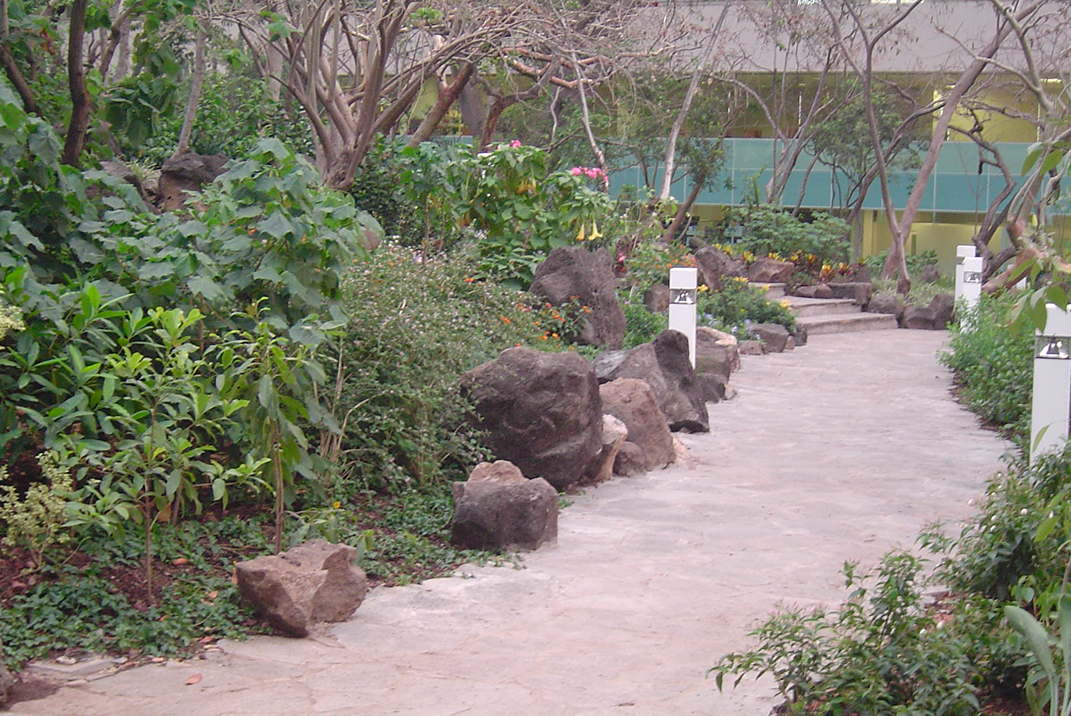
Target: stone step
[(809, 307), (847, 323), (773, 290)]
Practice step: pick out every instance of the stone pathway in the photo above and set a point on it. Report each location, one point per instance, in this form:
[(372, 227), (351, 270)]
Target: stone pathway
[(838, 450)]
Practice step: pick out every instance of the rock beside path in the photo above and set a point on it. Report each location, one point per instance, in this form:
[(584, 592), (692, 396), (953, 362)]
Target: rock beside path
[(665, 366), (540, 411), (499, 509), (633, 403), (314, 582), (767, 270), (933, 317), (614, 434)]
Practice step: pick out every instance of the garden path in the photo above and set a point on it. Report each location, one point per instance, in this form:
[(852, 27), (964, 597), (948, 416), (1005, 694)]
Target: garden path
[(838, 450)]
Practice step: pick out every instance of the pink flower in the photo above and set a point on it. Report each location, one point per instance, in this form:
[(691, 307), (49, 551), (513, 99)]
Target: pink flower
[(577, 171), (515, 143)]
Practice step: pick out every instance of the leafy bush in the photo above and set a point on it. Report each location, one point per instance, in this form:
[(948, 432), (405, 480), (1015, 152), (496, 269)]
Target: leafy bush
[(89, 608), (234, 113), (416, 325), (921, 294), (649, 262), (992, 363), (641, 325), (879, 654), (999, 547), (769, 230), (504, 202), (738, 305), (915, 262)]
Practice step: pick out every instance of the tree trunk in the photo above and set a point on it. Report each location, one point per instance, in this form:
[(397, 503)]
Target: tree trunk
[(75, 141), (682, 212), (964, 83), (11, 68), (195, 94), (689, 96), (447, 96)]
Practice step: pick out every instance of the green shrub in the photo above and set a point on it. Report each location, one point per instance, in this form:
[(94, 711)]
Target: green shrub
[(415, 327), (234, 113), (769, 230), (649, 262), (915, 262), (641, 325), (992, 362), (84, 607), (879, 654), (738, 305)]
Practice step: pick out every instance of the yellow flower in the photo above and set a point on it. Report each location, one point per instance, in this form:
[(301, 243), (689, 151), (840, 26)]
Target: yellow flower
[(703, 287), (336, 504)]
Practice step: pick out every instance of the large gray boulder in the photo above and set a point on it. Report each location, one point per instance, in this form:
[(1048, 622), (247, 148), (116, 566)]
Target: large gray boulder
[(540, 411), (573, 272), (633, 403), (933, 317), (767, 270), (665, 365), (186, 173), (773, 335), (314, 582), (499, 509), (714, 354), (714, 264), (888, 303)]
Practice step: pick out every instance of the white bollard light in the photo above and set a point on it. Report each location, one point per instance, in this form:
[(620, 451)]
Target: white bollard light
[(972, 280), (1051, 407), (682, 311), (963, 251)]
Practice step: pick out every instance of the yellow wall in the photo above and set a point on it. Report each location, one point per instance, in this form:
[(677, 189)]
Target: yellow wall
[(998, 127), (941, 236)]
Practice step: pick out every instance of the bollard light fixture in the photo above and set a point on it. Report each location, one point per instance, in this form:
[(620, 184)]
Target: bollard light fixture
[(682, 296), (1052, 347)]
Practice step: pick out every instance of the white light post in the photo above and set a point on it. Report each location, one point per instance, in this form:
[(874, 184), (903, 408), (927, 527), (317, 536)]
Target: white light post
[(972, 280), (682, 285), (963, 251), (1051, 408)]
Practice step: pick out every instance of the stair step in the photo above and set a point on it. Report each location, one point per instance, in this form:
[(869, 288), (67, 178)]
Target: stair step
[(847, 323), (809, 307), (773, 290)]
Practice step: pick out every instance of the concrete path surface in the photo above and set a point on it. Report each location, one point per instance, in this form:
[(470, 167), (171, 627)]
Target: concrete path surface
[(839, 450)]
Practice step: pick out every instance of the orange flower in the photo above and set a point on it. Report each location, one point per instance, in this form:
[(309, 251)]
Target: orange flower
[(555, 335), (469, 280), (505, 320)]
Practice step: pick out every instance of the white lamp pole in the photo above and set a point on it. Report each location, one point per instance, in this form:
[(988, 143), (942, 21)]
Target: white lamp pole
[(963, 251), (682, 311), (1051, 408), (972, 280)]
